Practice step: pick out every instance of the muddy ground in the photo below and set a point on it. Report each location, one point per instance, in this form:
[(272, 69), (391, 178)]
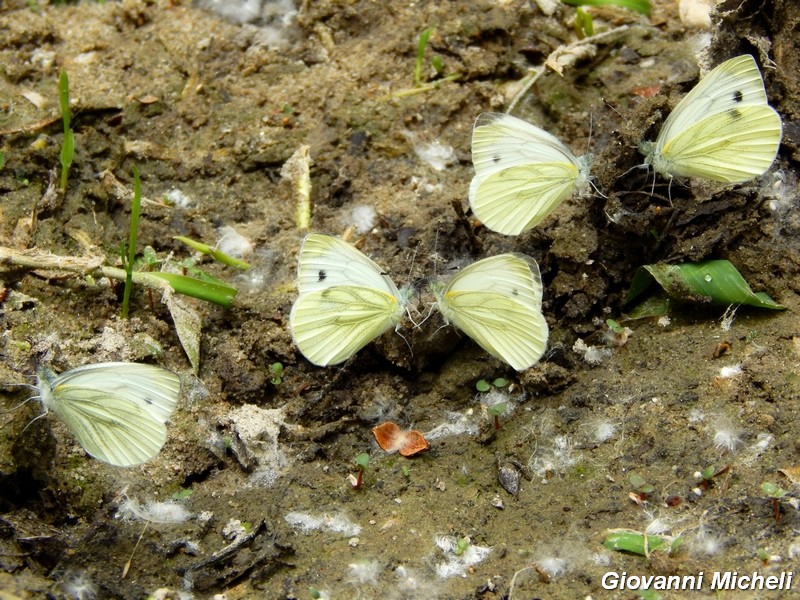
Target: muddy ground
[(213, 109)]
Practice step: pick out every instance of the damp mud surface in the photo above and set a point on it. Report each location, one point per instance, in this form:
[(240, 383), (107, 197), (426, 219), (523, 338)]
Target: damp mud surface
[(670, 428)]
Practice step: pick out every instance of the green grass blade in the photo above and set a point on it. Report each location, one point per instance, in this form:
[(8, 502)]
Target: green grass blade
[(421, 45), (711, 281), (63, 99), (132, 238), (217, 293), (640, 6), (68, 146), (217, 255)]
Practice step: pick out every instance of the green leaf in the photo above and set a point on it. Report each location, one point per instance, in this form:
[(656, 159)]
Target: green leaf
[(189, 286), (182, 494), (421, 44), (711, 281), (633, 542), (500, 382), (217, 255), (640, 6), (362, 461), (483, 385)]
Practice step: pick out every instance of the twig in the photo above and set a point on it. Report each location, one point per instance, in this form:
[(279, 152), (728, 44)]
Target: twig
[(564, 56)]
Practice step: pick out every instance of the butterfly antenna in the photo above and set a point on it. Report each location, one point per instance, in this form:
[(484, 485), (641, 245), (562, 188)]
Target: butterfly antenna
[(127, 566)]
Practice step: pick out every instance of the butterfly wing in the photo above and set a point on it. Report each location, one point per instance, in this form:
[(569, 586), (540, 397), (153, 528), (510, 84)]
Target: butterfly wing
[(345, 301), (730, 147), (497, 302), (327, 261), (723, 129), (522, 173), (116, 411)]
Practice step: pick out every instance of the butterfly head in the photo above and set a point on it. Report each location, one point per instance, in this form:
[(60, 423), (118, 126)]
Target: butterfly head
[(584, 177), (44, 383)]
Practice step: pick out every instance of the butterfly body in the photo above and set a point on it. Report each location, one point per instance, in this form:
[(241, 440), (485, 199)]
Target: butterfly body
[(522, 173), (344, 301), (117, 410), (497, 302), (723, 130)]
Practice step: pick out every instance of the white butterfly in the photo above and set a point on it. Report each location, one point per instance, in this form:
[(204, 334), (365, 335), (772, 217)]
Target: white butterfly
[(116, 410), (345, 301), (497, 302), (522, 173), (723, 129)]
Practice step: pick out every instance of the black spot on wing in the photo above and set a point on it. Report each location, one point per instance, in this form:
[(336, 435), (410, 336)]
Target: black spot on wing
[(738, 96), (515, 292), (735, 114), (496, 158), (322, 275)]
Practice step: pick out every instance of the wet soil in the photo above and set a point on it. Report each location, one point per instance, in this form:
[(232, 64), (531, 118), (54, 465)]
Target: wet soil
[(214, 109)]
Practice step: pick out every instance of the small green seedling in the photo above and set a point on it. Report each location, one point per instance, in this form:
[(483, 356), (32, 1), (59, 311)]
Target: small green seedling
[(362, 464), (775, 493), (495, 410), (406, 471), (422, 43), (314, 593), (128, 258), (484, 386), (2, 160), (763, 555), (277, 373), (461, 546), (182, 494), (641, 489), (68, 145), (499, 408), (708, 474)]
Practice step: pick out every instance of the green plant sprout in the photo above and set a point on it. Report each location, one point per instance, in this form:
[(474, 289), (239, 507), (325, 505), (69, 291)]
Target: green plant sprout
[(495, 410), (422, 43), (2, 160), (498, 408), (68, 146), (182, 494), (708, 474), (277, 373), (641, 488), (362, 464), (775, 493), (461, 546), (127, 260), (484, 386), (217, 255), (436, 62)]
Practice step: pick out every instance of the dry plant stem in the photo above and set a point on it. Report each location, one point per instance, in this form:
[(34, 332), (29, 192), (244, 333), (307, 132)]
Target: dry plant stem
[(36, 259), (555, 60)]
